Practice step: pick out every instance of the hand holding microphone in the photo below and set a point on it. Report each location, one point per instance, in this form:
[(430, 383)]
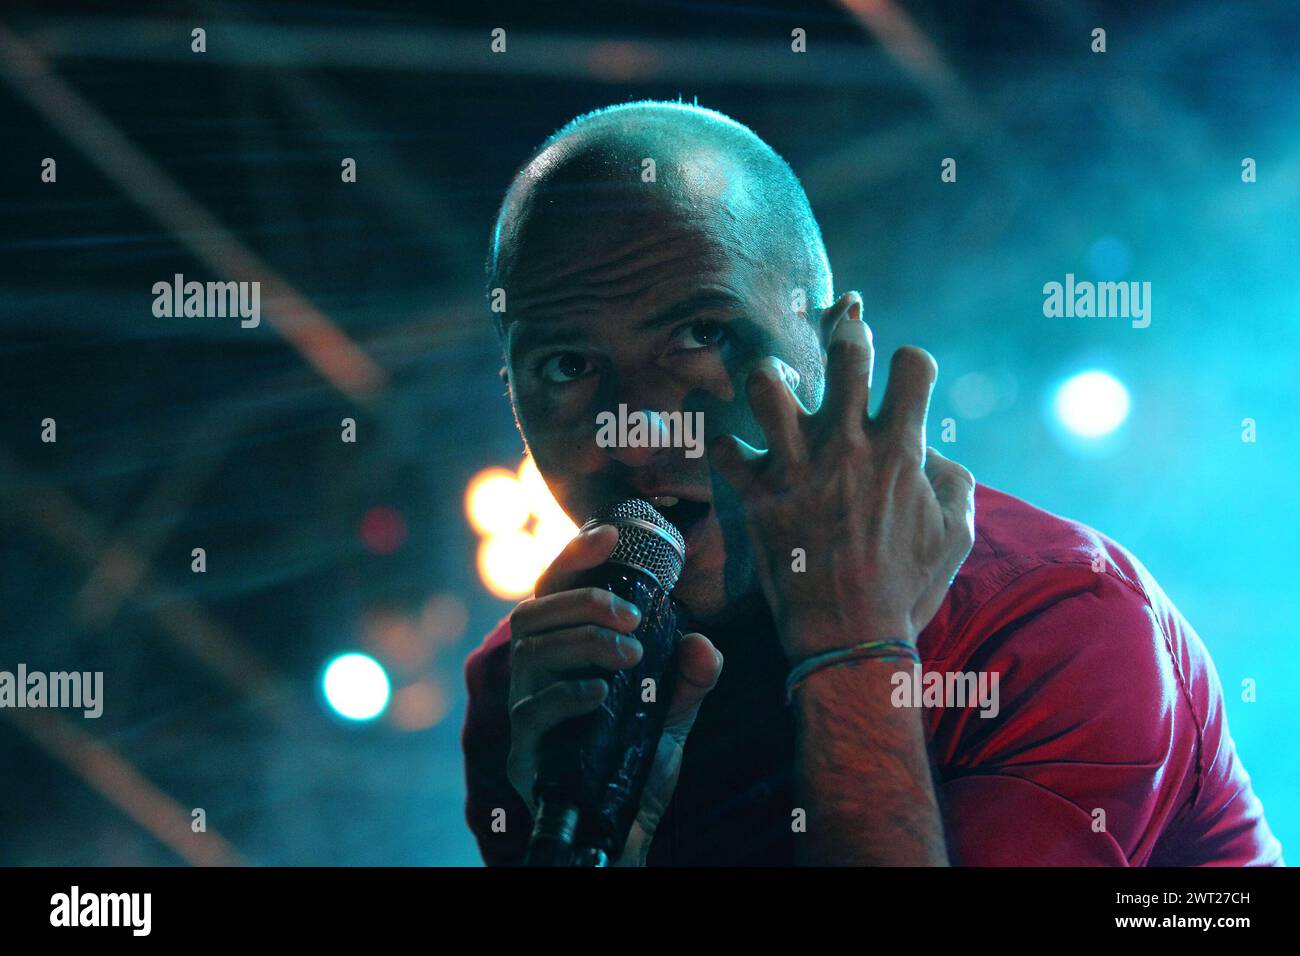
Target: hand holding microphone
[(567, 644)]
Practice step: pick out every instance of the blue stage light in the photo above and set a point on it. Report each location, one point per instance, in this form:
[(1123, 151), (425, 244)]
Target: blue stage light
[(356, 686), (1091, 404)]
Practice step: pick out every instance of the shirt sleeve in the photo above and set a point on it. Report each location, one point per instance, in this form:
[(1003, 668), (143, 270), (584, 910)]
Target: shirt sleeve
[(1094, 750), (496, 814)]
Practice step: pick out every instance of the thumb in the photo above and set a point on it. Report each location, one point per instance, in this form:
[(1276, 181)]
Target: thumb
[(582, 553), (954, 488), (699, 665)]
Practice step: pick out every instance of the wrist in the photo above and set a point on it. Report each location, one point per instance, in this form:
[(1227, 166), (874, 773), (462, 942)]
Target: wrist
[(890, 651), (637, 848), (829, 703), (863, 771), (806, 637)]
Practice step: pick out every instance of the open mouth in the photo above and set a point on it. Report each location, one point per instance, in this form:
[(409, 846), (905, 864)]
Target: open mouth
[(682, 513)]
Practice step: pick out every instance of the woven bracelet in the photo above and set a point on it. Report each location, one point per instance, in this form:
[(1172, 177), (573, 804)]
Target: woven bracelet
[(887, 650)]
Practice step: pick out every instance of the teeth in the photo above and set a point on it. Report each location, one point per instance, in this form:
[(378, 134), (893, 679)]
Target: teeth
[(664, 501)]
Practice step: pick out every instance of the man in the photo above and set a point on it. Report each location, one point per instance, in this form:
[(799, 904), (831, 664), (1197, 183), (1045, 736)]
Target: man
[(662, 257)]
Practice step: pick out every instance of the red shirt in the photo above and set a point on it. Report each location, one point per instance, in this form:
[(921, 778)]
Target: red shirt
[(1110, 745)]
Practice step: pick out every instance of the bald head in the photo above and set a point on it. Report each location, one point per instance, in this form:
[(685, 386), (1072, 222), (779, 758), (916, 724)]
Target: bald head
[(623, 168)]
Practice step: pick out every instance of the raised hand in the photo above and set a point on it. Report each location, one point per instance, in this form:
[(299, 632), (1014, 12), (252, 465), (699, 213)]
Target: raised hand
[(883, 522)]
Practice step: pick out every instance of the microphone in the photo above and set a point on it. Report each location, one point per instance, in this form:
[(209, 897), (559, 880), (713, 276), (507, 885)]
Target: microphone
[(592, 769)]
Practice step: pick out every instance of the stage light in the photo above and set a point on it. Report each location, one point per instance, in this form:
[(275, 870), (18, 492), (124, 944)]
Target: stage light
[(1091, 404), (494, 502), (1109, 258), (383, 529), (420, 705), (522, 526), (510, 563), (356, 686)]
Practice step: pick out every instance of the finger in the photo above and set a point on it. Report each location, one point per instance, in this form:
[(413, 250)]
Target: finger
[(777, 409), (539, 712), (850, 357), (574, 648), (735, 460), (584, 552), (534, 715), (572, 609), (831, 317), (954, 487), (699, 665), (907, 397)]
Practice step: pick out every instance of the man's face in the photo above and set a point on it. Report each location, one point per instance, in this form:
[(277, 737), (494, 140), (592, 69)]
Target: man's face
[(659, 306)]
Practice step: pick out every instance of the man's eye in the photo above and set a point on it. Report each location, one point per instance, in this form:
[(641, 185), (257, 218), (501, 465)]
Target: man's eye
[(565, 367), (700, 335)]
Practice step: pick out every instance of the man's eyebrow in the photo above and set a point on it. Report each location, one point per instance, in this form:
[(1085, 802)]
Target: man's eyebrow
[(702, 302), (533, 336)]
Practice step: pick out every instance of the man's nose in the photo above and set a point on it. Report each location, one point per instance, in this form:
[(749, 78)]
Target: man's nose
[(637, 437)]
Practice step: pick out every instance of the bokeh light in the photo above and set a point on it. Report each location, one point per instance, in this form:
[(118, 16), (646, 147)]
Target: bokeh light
[(494, 504), (1109, 258), (522, 526), (1091, 404), (383, 529), (419, 706), (356, 686)]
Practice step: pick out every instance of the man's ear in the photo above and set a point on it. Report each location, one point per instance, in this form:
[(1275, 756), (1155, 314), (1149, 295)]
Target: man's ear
[(833, 313)]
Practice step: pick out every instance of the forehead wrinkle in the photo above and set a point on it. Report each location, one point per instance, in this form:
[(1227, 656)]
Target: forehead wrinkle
[(529, 336), (627, 275), (595, 297), (616, 262)]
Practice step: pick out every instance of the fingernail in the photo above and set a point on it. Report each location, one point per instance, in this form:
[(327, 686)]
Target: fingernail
[(591, 688), (788, 374), (846, 327), (628, 647)]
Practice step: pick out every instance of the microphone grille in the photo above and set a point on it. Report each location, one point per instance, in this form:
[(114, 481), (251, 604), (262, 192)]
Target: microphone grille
[(646, 539)]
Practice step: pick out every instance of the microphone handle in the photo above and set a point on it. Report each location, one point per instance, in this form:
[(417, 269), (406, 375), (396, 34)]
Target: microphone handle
[(597, 765)]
